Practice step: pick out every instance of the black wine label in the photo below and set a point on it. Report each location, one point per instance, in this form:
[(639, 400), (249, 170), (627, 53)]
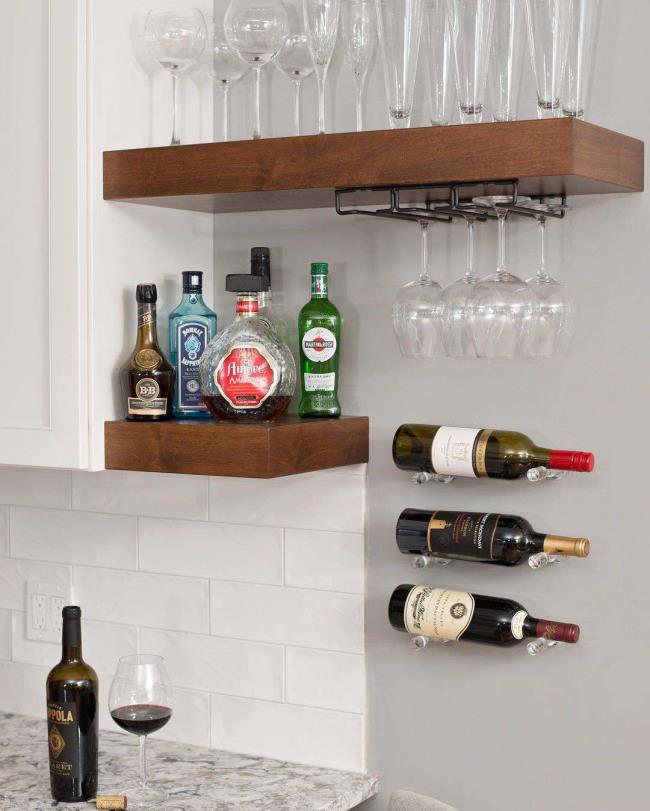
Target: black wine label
[(63, 739), (462, 535)]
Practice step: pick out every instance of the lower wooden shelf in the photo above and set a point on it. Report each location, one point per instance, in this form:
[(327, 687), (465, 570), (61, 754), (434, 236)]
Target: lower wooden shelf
[(260, 451)]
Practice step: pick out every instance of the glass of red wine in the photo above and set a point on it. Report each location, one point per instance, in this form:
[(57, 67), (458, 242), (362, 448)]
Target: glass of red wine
[(140, 702)]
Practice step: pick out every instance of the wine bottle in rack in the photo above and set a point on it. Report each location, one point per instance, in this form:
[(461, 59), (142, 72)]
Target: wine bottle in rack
[(449, 615), (485, 537), (478, 452)]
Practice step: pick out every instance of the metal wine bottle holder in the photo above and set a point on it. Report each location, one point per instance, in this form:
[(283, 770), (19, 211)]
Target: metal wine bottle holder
[(539, 560), (533, 648), (534, 475)]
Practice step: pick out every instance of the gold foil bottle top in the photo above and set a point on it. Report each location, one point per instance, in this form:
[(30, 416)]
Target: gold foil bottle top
[(560, 545), (116, 802)]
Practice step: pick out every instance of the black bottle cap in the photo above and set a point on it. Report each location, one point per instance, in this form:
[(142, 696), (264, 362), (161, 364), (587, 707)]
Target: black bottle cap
[(145, 293), (192, 281), (246, 283), (71, 612), (261, 262)]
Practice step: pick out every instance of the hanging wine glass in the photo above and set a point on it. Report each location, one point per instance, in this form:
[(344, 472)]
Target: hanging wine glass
[(321, 27), (504, 309), (471, 31), (556, 323), (294, 60), (583, 21), (256, 30), (547, 40), (175, 39), (416, 316), (224, 67), (399, 27), (506, 60), (437, 39), (455, 305), (358, 22)]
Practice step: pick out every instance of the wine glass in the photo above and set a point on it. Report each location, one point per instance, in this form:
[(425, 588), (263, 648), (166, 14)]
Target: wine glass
[(583, 20), (416, 309), (471, 33), (399, 27), (224, 67), (294, 60), (437, 26), (504, 310), (506, 62), (176, 40), (556, 322), (140, 701), (358, 30), (547, 40), (256, 30), (321, 26), (455, 304)]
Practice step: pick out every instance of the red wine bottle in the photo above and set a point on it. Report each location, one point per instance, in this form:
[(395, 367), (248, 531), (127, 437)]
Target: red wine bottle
[(446, 614), (485, 537), (478, 452)]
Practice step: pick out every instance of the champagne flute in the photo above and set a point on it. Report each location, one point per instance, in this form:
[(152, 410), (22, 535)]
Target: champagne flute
[(176, 39), (358, 29), (547, 39), (321, 26), (139, 701), (294, 60), (225, 68), (437, 24), (471, 30), (506, 60), (256, 30), (583, 21)]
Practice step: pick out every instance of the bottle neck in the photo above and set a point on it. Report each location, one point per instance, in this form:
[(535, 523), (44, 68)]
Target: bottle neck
[(71, 641), (147, 333), (248, 305), (319, 286), (192, 297), (553, 631)]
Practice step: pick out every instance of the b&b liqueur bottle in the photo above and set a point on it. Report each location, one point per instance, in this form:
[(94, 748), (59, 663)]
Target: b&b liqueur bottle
[(451, 615), (483, 537), (147, 378), (319, 328), (478, 452), (72, 718)]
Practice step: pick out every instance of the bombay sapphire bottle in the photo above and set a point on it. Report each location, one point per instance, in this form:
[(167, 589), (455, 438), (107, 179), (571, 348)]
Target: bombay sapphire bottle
[(192, 325)]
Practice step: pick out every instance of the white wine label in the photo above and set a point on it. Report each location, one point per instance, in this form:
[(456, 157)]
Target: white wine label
[(438, 613), (452, 451), (517, 624), (315, 382), (319, 344)]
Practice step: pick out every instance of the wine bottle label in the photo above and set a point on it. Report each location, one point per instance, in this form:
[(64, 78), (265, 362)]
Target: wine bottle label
[(316, 382), (191, 340), (63, 739), (463, 535), (147, 399), (147, 360), (438, 613), (517, 624), (319, 344), (246, 376), (459, 451)]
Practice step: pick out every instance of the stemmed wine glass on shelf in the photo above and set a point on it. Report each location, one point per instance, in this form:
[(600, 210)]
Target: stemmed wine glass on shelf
[(358, 25), (224, 67), (321, 27), (295, 62)]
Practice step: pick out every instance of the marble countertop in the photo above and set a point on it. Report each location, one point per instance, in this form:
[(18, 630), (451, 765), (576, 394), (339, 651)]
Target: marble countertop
[(196, 779)]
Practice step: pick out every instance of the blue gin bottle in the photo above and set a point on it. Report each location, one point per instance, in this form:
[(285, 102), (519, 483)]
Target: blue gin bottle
[(192, 325)]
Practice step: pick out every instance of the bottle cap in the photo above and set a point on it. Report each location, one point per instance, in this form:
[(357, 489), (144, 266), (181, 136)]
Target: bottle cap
[(580, 461), (146, 293), (246, 283), (192, 281), (261, 262), (560, 545), (558, 631), (71, 612), (319, 268)]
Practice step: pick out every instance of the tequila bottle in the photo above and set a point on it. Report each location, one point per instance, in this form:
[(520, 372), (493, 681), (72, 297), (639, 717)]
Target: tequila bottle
[(192, 325)]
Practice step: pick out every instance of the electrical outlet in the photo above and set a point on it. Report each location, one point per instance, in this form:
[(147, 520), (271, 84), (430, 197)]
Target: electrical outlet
[(44, 604)]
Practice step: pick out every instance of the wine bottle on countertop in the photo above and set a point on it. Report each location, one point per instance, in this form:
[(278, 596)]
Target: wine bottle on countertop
[(72, 715), (485, 537), (449, 615), (478, 452)]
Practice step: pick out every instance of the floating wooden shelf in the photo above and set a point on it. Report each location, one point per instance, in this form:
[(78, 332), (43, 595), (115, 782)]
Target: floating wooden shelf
[(550, 157), (259, 451)]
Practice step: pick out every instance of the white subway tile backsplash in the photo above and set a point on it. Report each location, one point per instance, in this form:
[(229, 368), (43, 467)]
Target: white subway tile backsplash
[(161, 495), (206, 549), (140, 598), (4, 531), (22, 688), (286, 732), (324, 560), (30, 651), (335, 681), (333, 501), (317, 619), (34, 487), (219, 665), (15, 573), (74, 537), (5, 634)]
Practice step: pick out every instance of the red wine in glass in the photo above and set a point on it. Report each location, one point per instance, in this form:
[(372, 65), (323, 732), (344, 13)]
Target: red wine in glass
[(141, 719)]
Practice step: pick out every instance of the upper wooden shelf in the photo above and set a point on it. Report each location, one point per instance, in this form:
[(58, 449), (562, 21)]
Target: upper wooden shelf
[(547, 157)]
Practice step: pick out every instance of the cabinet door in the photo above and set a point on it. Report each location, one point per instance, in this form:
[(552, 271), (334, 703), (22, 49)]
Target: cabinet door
[(43, 397)]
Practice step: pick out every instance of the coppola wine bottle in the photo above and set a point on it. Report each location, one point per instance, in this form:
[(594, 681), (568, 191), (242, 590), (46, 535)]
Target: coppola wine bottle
[(450, 615), (72, 715), (478, 452), (485, 537)]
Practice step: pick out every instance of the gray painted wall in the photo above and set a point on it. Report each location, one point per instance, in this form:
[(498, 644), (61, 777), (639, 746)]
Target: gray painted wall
[(483, 729)]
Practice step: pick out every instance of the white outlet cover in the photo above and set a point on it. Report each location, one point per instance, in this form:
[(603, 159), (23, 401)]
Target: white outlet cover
[(44, 602)]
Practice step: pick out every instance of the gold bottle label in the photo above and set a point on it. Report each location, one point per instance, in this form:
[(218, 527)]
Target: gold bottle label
[(147, 400), (147, 360), (438, 613), (480, 451)]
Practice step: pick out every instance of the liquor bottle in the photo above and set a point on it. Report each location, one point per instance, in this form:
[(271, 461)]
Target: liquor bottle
[(449, 615), (147, 378), (478, 452), (192, 325), (73, 716), (319, 333), (485, 537), (247, 372)]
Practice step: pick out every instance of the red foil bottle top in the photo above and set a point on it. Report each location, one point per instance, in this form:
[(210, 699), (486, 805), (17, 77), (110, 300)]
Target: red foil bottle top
[(558, 631), (581, 461)]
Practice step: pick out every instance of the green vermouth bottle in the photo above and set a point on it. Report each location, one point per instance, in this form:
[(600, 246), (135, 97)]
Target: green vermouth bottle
[(319, 328)]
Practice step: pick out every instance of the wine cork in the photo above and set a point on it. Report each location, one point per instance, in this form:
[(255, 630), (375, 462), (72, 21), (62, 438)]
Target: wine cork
[(111, 802)]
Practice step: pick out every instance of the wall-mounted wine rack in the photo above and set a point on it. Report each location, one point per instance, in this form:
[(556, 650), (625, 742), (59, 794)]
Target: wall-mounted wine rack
[(532, 648)]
